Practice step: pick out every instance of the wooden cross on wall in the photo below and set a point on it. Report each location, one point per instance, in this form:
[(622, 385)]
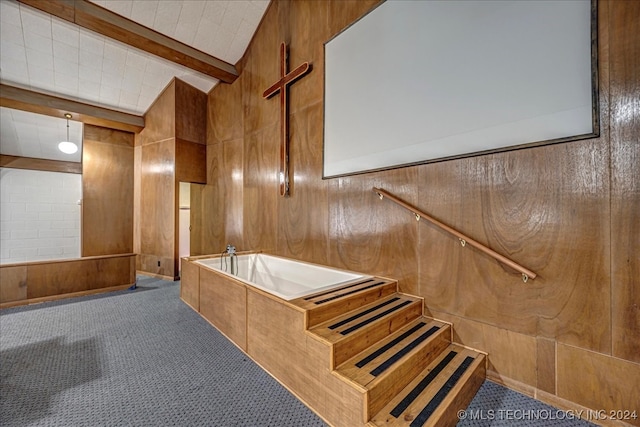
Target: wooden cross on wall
[(282, 86)]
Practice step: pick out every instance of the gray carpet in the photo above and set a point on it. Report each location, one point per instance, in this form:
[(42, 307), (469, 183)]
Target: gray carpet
[(143, 358)]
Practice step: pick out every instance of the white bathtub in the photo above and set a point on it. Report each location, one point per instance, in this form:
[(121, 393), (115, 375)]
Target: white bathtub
[(283, 277)]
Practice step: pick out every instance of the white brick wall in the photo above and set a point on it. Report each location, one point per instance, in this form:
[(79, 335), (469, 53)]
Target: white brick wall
[(39, 215)]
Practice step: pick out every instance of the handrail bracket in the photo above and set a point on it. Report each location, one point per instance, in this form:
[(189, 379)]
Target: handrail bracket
[(526, 273)]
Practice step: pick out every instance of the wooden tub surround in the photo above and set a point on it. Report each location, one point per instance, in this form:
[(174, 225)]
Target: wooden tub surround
[(362, 354)]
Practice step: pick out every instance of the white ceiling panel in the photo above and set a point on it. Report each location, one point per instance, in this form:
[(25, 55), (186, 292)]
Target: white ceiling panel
[(27, 134), (218, 27), (57, 57), (46, 54)]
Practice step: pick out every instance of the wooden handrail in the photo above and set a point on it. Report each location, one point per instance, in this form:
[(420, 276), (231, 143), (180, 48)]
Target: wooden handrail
[(526, 273)]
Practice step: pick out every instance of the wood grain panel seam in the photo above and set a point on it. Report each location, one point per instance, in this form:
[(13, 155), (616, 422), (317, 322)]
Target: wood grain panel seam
[(159, 141), (608, 138), (597, 353)]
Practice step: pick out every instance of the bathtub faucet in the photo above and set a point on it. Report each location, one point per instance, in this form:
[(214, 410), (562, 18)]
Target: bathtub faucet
[(233, 259)]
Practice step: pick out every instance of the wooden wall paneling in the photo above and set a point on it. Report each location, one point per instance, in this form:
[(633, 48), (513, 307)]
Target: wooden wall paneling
[(579, 249), (231, 193), (546, 365), (13, 283), (541, 207), (224, 303), (309, 31), (212, 234), (598, 382), (496, 212), (107, 192), (158, 208), (512, 356), (260, 196), (191, 162), (344, 13), (440, 256), (374, 236), (196, 219), (137, 194), (191, 113), (31, 163), (160, 118), (261, 71), (108, 135), (303, 217), (225, 113), (625, 178)]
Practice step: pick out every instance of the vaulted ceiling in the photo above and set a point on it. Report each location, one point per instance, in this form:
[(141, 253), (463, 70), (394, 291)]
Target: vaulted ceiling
[(69, 54)]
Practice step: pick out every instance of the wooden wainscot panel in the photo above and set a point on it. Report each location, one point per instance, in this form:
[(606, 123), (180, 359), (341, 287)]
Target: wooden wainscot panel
[(512, 356), (223, 302), (277, 341), (109, 271), (51, 278), (546, 365), (47, 279), (190, 284), (599, 382), (13, 283)]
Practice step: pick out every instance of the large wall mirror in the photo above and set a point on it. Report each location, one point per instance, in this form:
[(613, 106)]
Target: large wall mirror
[(420, 81)]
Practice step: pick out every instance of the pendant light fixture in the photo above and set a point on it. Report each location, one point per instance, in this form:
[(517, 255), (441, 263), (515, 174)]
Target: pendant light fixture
[(67, 146)]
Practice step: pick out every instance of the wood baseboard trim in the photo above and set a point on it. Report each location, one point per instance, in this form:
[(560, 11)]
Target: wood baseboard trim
[(157, 276), (63, 296), (576, 410)]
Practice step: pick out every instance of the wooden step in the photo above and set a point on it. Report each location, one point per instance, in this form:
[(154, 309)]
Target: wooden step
[(389, 365), (326, 305), (436, 395), (354, 331)]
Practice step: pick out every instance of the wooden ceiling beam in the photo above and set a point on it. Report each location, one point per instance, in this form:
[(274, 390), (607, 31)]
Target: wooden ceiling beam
[(36, 102), (102, 21)]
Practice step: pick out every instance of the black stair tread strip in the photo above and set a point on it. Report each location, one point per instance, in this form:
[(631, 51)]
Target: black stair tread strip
[(349, 292), (334, 290), (376, 317), (419, 388), (363, 313), (381, 350), (428, 410), (393, 359)]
